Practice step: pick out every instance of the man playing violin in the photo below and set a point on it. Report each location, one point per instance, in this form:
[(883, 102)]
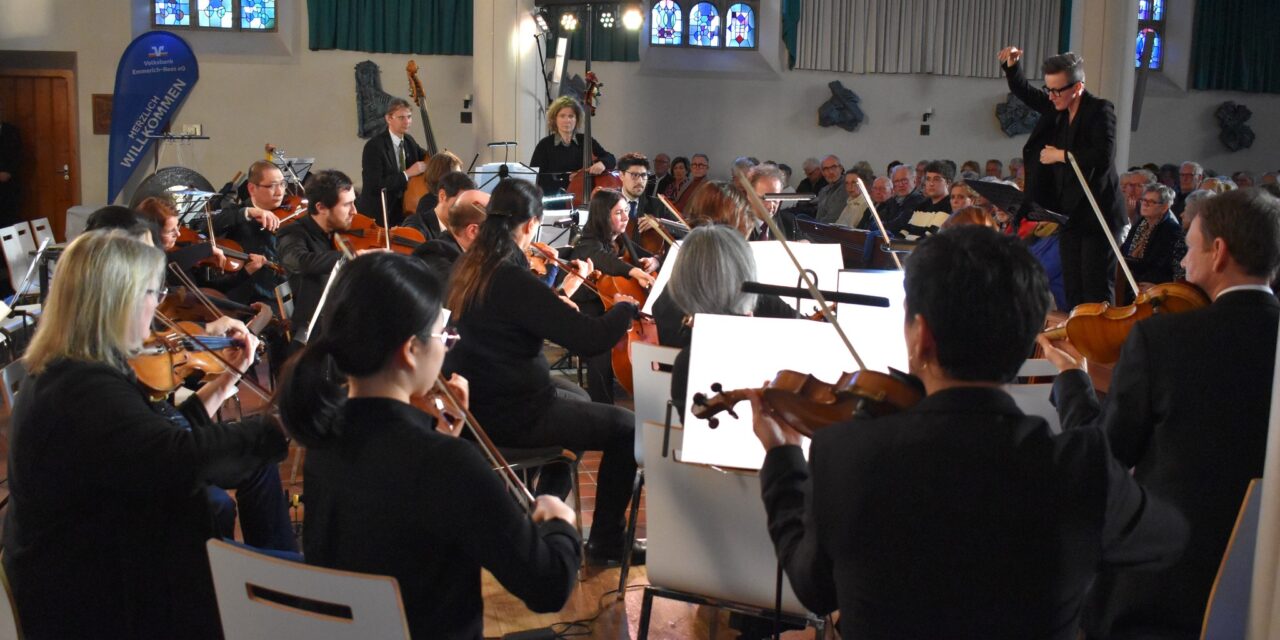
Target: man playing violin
[(960, 516), (254, 226), (1188, 410), (307, 248)]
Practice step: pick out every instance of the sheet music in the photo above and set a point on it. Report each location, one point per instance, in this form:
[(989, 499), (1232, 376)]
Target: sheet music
[(876, 331)]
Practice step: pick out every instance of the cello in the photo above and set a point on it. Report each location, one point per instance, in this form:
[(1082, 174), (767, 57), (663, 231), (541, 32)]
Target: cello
[(417, 185)]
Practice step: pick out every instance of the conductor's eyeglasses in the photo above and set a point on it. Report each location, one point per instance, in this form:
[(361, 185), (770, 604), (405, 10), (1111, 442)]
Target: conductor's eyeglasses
[(1061, 90)]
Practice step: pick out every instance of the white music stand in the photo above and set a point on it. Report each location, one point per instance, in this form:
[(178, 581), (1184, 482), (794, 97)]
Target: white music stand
[(487, 176)]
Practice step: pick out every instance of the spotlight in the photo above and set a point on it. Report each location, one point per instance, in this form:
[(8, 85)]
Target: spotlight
[(540, 21), (606, 19), (569, 21), (632, 19)]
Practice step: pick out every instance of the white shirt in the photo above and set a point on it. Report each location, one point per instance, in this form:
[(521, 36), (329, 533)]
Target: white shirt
[(1244, 287)]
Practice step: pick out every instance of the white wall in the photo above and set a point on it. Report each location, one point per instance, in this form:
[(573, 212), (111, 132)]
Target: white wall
[(303, 101)]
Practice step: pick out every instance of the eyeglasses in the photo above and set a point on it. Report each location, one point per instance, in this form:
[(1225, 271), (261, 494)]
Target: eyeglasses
[(636, 175), (448, 338), (407, 116), (1061, 90), (159, 293), (1154, 203), (701, 164), (271, 185)]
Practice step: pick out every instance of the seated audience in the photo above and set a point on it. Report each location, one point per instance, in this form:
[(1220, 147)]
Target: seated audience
[(1154, 247)]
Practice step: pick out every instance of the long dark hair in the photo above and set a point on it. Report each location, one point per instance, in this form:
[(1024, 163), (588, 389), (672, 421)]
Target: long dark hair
[(599, 225), (512, 204), (378, 301)]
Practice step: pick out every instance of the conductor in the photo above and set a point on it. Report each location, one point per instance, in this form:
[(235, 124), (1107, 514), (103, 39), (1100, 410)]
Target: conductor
[(1076, 121)]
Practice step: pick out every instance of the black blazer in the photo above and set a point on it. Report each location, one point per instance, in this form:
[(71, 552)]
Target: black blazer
[(1165, 249), (380, 169), (307, 253), (1092, 141), (1188, 409), (391, 496), (104, 535), (786, 220), (959, 518), (440, 254)]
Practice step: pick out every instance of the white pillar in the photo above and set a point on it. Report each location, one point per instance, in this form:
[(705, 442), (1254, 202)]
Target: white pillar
[(1264, 602), (1106, 37), (509, 98)]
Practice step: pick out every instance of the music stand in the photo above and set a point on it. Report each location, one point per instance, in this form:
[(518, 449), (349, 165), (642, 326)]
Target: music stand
[(189, 202), (488, 175), (1014, 202), (295, 170)]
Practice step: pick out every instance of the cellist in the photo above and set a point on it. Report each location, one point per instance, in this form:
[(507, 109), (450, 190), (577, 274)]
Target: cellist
[(961, 516), (605, 243), (1188, 410)]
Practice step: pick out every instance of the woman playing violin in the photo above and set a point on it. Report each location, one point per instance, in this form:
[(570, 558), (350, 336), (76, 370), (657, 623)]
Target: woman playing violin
[(560, 153), (109, 515), (962, 505), (605, 243), (237, 284), (504, 314), (372, 451)]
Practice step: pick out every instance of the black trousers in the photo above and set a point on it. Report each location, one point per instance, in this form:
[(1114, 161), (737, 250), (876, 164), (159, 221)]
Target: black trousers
[(578, 424), (600, 377), (1088, 266)]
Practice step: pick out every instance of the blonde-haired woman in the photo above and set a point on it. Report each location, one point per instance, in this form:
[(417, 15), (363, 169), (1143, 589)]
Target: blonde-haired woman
[(560, 153), (108, 515)]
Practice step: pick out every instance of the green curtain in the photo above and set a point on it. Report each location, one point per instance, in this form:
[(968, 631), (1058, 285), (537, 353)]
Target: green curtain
[(790, 29), (1064, 27), (1236, 46), (426, 27), (614, 44)]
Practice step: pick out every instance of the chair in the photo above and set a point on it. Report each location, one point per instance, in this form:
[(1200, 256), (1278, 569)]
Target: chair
[(262, 597), (528, 462), (10, 627), (284, 306), (40, 230), (651, 377), (13, 375), (17, 244)]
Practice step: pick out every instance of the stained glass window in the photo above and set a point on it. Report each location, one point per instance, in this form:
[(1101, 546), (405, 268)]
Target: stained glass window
[(173, 13), (667, 23), (214, 13), (258, 14), (740, 29), (1150, 33), (704, 25)]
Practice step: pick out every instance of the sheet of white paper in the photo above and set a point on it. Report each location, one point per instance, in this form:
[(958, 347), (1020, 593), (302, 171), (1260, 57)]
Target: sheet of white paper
[(876, 332), (774, 267), (719, 356), (664, 276)]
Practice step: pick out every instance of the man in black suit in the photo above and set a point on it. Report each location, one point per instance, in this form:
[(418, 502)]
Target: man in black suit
[(466, 213), (906, 199), (767, 179), (959, 517), (1188, 409), (10, 162), (1076, 121), (389, 160)]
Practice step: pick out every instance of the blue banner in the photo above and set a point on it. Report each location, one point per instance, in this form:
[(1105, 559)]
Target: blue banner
[(156, 74)]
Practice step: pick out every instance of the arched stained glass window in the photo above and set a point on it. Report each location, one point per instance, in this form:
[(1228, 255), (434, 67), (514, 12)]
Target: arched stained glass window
[(740, 28), (1150, 33), (704, 25), (258, 14), (173, 13), (666, 23)]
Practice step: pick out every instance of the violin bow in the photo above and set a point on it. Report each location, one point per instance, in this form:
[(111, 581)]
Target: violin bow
[(879, 222), (208, 222), (672, 208), (1084, 184), (568, 270), (324, 295), (758, 208), (490, 450), (195, 291), (253, 386), (386, 222)]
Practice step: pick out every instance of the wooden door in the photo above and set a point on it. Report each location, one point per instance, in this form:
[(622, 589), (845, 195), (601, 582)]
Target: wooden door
[(40, 103)]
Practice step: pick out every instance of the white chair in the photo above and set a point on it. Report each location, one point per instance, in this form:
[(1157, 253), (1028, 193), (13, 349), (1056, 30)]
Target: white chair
[(259, 598), (10, 627), (12, 375), (17, 244), (40, 230), (651, 380), (1033, 399)]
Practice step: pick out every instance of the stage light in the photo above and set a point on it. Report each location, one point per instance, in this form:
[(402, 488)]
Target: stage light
[(632, 18), (569, 21), (606, 19), (540, 21)]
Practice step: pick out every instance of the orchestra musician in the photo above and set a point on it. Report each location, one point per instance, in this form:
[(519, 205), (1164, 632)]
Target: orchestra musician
[(1188, 409), (560, 153), (161, 212), (109, 513), (766, 179), (426, 217), (1072, 120), (254, 227), (462, 225), (371, 451), (1006, 524), (504, 313), (389, 160), (306, 247), (605, 243), (633, 168)]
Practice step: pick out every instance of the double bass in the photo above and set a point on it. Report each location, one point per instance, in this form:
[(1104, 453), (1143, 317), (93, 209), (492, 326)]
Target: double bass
[(417, 185)]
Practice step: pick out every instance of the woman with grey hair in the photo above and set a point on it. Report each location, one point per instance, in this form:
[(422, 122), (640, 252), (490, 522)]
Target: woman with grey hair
[(1191, 206), (1154, 247)]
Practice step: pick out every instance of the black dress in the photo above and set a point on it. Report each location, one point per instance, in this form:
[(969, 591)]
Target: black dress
[(392, 496)]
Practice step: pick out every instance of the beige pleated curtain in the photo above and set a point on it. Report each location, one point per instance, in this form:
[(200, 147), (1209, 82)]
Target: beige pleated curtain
[(942, 37)]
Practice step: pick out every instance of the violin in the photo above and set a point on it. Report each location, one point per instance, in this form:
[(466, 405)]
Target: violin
[(170, 356), (808, 404), (537, 258), (291, 209), (365, 233), (1098, 330)]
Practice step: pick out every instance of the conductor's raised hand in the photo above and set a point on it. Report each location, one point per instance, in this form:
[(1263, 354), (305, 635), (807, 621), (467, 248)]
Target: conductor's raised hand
[(1009, 56)]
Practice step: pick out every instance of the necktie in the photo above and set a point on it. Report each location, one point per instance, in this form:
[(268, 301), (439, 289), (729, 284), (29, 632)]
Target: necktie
[(400, 154), (632, 206)]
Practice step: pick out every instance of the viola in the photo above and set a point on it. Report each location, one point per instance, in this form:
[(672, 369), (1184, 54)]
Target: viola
[(1098, 330), (365, 233), (809, 404), (170, 356)]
